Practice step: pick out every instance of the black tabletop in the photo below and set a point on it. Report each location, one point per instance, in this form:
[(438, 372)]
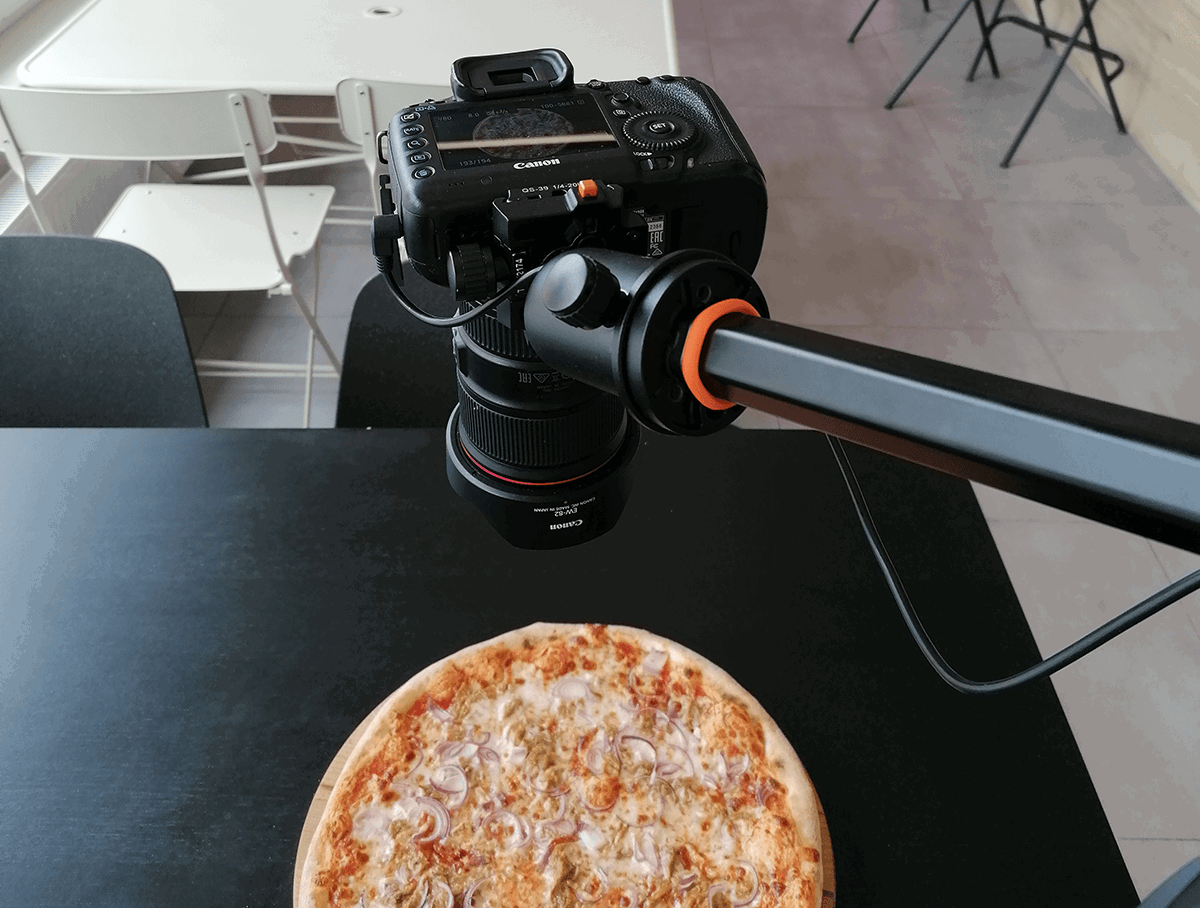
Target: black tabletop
[(193, 621)]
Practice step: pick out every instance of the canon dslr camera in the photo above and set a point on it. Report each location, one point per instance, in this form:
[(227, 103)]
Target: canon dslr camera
[(520, 167)]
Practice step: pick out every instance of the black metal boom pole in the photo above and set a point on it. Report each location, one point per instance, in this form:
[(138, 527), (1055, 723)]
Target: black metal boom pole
[(1123, 467)]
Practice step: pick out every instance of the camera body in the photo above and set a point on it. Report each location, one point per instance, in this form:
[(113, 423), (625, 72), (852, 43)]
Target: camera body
[(487, 185)]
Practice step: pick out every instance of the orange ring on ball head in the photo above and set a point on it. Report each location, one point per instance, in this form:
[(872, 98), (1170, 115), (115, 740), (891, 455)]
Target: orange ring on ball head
[(693, 346)]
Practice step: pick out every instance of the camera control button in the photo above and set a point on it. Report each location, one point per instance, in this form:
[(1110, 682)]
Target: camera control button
[(620, 112), (422, 172), (409, 117), (415, 143), (621, 97), (659, 131), (597, 85), (413, 129), (419, 157), (643, 80)]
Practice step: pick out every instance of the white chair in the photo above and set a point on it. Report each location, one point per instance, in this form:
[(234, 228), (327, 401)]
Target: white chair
[(365, 109), (208, 238)]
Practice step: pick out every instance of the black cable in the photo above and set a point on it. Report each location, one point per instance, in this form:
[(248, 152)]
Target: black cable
[(453, 320), (1061, 659)]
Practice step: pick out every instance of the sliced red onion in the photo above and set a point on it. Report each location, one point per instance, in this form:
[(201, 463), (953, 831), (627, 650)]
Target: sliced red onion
[(714, 889), (424, 894), (743, 901), (645, 849), (572, 689), (553, 829), (562, 807), (688, 880), (594, 758), (469, 895), (437, 712), (631, 900), (420, 760), (642, 749), (542, 788), (487, 755), (487, 736), (441, 820), (654, 661), (516, 828), (449, 749), (737, 769), (518, 755), (444, 887), (451, 781), (673, 762), (406, 789)]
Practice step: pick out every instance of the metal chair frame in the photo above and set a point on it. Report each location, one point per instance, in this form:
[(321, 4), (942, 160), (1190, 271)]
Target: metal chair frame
[(149, 126), (986, 28)]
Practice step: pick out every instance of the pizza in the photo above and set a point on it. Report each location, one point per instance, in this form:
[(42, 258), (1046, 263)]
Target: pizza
[(569, 766)]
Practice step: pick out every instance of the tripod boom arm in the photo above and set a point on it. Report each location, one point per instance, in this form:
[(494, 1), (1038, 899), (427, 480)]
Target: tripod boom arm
[(1123, 467)]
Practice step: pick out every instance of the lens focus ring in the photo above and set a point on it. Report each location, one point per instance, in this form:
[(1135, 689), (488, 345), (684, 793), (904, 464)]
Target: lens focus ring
[(558, 447)]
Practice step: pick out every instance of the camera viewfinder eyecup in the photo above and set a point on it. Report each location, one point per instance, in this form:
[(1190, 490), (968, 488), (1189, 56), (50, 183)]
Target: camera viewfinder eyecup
[(511, 75)]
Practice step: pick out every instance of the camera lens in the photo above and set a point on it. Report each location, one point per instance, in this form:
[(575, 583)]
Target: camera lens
[(544, 456)]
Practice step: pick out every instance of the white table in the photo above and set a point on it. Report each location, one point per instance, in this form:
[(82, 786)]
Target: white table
[(305, 47)]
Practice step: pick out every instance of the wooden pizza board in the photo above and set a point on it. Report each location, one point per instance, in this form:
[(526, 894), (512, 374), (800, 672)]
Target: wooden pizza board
[(325, 789)]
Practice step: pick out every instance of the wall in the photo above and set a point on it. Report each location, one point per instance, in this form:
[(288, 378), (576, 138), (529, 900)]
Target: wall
[(1159, 91)]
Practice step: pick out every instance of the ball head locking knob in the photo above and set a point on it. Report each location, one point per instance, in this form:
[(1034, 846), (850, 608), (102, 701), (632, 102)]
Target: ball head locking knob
[(580, 291)]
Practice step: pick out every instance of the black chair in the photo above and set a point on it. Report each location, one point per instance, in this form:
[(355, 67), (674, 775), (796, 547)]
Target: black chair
[(397, 371), (91, 336)]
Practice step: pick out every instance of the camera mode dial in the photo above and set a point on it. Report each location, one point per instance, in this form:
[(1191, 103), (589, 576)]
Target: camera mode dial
[(659, 131)]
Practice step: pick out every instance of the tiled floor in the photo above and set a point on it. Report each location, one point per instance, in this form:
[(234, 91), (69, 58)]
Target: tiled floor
[(1078, 268)]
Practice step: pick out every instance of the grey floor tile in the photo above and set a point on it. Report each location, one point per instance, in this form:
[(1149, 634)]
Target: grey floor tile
[(755, 419), (1002, 506), (263, 403), (1072, 151), (1133, 703), (1147, 370), (1078, 267), (901, 263), (1153, 860), (779, 69), (832, 152), (196, 328), (1013, 354)]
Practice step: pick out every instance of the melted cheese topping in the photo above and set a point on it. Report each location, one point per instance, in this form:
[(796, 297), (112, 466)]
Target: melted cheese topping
[(585, 771)]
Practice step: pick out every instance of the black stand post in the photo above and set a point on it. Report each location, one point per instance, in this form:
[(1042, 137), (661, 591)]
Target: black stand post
[(1072, 41), (867, 15), (891, 102)]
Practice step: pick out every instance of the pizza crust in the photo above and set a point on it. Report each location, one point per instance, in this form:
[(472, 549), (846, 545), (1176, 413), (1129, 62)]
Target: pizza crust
[(785, 765)]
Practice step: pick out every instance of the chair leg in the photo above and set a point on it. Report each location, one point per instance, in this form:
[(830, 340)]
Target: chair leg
[(1062, 61), (987, 44), (891, 102), (1104, 77), (863, 21), (313, 326), (1042, 21)]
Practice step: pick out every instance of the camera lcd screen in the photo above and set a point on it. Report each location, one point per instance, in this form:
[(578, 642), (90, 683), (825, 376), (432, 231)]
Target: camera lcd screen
[(528, 130)]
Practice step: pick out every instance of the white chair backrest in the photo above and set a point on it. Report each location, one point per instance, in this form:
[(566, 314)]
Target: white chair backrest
[(366, 108), (135, 126)]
